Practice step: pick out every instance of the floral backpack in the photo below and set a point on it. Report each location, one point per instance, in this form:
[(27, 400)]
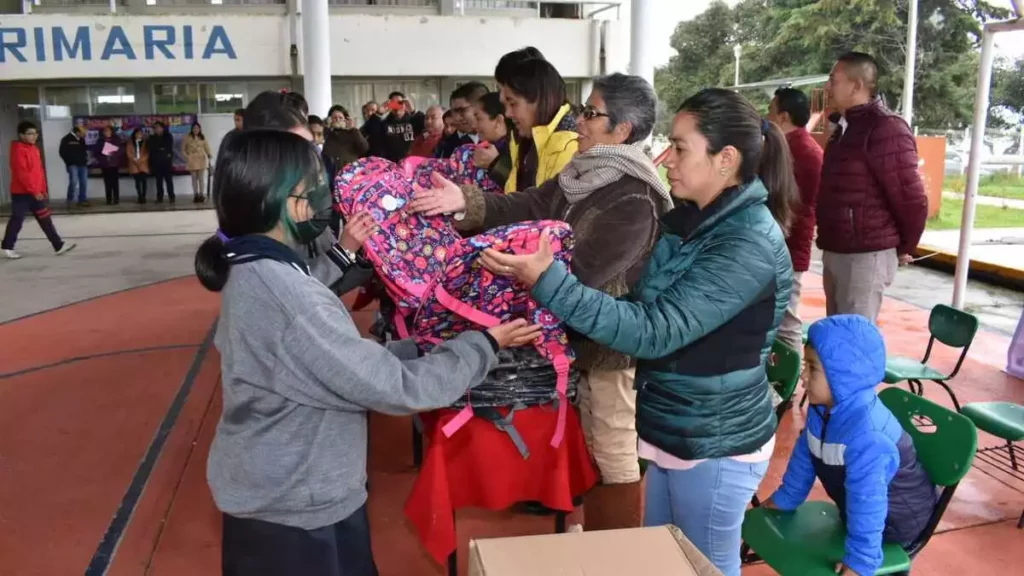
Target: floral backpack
[(459, 168), (435, 278)]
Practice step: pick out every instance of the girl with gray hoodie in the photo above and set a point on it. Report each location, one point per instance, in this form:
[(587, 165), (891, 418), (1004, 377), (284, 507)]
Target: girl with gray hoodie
[(288, 463)]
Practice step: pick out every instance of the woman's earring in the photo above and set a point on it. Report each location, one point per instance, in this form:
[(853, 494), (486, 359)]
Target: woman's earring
[(722, 171)]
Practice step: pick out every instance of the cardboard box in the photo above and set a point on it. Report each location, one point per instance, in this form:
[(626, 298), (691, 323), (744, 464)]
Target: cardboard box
[(638, 552)]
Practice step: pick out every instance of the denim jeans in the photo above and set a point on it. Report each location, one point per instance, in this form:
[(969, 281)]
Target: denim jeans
[(707, 502), (78, 180)]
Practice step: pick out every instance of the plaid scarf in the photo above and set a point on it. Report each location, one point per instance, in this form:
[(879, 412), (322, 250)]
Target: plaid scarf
[(603, 165)]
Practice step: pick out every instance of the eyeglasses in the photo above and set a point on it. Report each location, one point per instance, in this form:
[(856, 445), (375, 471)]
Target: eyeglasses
[(589, 113)]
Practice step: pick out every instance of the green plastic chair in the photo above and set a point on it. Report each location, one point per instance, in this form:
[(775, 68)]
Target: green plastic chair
[(954, 328), (784, 366), (1004, 420), (811, 540)]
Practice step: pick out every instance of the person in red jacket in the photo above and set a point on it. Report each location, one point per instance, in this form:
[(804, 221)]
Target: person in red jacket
[(872, 205), (28, 193), (791, 111)]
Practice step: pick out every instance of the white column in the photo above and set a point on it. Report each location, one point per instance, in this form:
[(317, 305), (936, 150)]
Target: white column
[(316, 56), (911, 65), (642, 38), (587, 86), (963, 257)]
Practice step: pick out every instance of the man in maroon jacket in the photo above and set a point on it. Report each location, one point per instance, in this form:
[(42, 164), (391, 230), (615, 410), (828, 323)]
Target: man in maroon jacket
[(791, 110), (872, 205)]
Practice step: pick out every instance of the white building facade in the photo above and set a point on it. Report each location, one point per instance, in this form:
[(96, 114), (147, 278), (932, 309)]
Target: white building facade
[(66, 58)]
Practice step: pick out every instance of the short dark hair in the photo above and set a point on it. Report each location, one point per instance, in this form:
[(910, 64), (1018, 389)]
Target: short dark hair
[(539, 83), (256, 172), (339, 108), (862, 66), (274, 111), (447, 114), (470, 92), (239, 111), (396, 93), (297, 100), (505, 64), (492, 105), (314, 120), (795, 103), (25, 125)]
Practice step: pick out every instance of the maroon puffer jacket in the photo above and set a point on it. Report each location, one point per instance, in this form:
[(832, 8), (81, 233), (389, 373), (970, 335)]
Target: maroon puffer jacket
[(871, 195), (807, 159)]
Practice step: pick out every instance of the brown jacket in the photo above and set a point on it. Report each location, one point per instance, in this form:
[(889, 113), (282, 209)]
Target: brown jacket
[(343, 146), (197, 153), (138, 162), (615, 229)]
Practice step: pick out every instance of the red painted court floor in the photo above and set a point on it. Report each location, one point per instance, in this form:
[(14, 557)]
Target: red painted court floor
[(108, 408)]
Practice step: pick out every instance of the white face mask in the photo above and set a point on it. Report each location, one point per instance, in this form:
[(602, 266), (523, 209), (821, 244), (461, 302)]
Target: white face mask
[(319, 147)]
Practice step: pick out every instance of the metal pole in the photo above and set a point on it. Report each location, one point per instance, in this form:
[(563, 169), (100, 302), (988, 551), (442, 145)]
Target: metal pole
[(316, 55), (1020, 151), (911, 65), (737, 50), (981, 100)]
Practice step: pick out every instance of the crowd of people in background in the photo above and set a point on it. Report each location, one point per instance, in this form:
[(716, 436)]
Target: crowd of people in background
[(676, 293)]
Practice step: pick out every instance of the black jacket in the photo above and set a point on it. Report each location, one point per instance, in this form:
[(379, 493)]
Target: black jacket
[(447, 146), (73, 151), (391, 137), (161, 151)]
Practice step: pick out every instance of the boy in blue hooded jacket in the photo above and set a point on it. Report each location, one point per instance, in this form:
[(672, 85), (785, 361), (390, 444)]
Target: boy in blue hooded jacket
[(855, 446)]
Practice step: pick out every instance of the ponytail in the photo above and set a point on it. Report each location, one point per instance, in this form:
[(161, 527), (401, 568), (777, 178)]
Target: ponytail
[(211, 268), (726, 118), (776, 172)]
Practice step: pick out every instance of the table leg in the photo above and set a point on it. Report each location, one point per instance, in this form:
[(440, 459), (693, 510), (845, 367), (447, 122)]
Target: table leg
[(417, 447), (453, 563)]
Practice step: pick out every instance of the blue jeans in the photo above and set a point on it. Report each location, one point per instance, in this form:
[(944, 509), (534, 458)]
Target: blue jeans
[(707, 502), (78, 179)]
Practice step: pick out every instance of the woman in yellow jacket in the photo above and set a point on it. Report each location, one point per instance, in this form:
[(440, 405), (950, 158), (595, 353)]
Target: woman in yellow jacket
[(535, 100), (197, 159)]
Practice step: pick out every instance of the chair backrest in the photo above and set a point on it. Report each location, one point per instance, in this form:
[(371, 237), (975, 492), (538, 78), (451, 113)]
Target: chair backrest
[(783, 369), (945, 441), (954, 328)]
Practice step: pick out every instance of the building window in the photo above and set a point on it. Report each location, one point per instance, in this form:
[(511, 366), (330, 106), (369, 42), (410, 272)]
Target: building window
[(353, 94), (175, 98), (222, 97), (65, 102), (112, 100), (258, 87)]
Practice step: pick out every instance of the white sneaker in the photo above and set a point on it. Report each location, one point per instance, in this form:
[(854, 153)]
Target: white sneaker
[(11, 255), (67, 247)]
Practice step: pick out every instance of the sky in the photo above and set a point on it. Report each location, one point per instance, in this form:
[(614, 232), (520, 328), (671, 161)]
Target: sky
[(671, 12)]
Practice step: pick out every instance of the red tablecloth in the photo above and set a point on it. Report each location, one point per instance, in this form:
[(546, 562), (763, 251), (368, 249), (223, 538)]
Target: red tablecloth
[(480, 467)]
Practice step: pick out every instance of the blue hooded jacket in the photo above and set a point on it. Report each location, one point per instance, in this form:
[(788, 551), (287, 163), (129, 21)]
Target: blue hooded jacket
[(858, 449)]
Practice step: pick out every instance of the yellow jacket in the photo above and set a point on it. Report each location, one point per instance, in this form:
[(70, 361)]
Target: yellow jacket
[(555, 148)]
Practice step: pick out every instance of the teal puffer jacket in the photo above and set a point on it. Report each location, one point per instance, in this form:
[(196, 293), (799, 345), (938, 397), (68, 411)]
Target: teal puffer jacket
[(700, 322)]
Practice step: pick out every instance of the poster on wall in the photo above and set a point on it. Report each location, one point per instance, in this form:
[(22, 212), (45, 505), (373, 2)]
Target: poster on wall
[(177, 124)]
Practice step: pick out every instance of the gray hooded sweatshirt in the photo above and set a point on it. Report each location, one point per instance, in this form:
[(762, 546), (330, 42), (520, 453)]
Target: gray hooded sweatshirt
[(298, 380)]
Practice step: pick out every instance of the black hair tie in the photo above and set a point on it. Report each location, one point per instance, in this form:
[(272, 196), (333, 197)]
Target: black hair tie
[(766, 127)]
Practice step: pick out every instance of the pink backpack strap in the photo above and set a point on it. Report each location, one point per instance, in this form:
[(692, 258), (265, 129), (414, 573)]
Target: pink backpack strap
[(460, 420), (561, 363), (465, 310)]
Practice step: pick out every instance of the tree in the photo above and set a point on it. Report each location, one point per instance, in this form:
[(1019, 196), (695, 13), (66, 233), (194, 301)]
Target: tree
[(1008, 88), (783, 38)]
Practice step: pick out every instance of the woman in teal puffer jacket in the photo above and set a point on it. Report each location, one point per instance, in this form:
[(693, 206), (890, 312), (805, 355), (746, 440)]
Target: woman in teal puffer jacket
[(701, 320)]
